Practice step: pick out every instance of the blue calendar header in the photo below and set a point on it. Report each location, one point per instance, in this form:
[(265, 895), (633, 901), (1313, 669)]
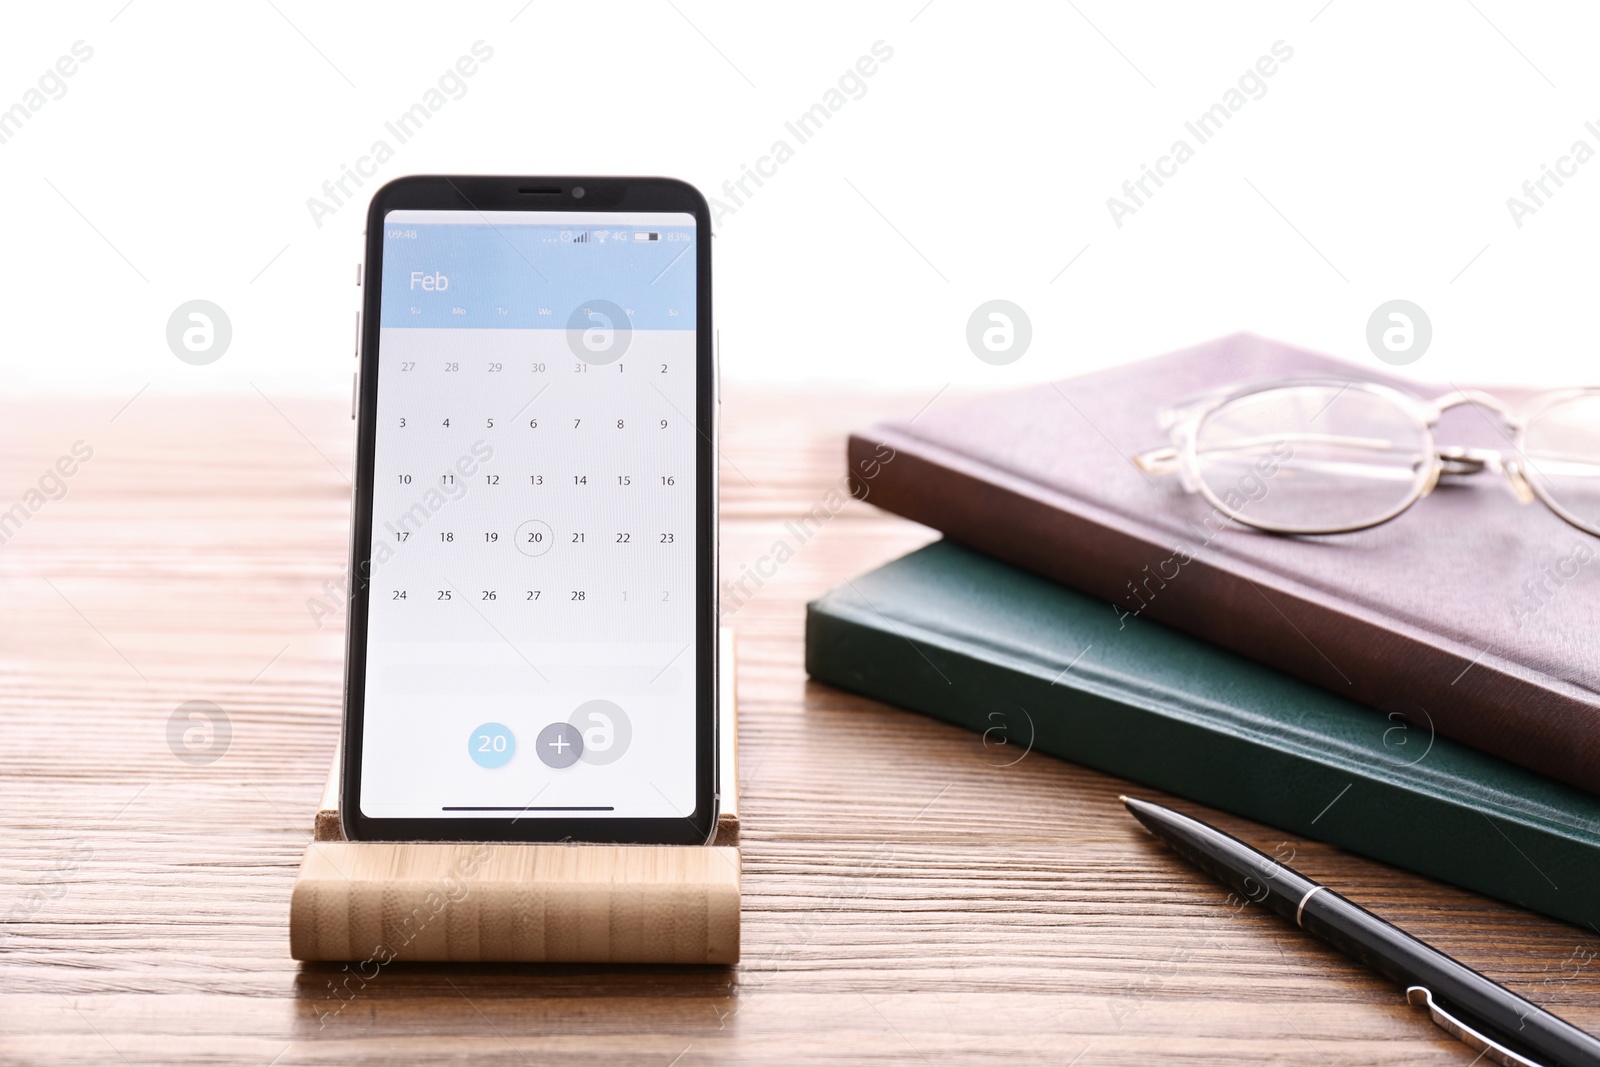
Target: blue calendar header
[(533, 270)]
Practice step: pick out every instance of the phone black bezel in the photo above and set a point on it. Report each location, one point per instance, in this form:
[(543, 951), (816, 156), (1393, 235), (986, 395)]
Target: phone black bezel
[(470, 194)]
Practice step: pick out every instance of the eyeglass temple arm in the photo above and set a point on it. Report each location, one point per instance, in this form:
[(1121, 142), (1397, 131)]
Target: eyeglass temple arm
[(1451, 461), (1167, 460)]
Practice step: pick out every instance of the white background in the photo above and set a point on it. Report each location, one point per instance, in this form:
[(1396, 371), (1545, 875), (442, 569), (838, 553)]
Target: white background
[(976, 166)]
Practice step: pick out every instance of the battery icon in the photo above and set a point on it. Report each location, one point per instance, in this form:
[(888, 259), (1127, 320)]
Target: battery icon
[(645, 235)]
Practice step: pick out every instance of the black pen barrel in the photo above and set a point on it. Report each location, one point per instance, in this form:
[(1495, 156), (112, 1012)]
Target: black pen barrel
[(1252, 874), (1498, 1013), (1485, 1006)]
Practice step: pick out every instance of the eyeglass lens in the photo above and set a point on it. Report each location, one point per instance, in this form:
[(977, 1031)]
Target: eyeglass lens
[(1312, 458), (1561, 458)]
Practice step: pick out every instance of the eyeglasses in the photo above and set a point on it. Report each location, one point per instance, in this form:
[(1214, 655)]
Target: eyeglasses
[(1324, 457)]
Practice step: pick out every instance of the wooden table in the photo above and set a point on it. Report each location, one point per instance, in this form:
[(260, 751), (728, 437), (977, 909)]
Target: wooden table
[(905, 900)]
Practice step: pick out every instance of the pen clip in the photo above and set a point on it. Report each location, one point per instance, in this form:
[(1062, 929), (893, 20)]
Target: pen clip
[(1487, 1047)]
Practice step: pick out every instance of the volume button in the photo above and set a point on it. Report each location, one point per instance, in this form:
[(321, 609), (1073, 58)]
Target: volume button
[(358, 334), (355, 392)]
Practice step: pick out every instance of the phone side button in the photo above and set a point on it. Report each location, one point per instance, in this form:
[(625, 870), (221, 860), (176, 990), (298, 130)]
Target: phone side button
[(358, 335), (355, 392)]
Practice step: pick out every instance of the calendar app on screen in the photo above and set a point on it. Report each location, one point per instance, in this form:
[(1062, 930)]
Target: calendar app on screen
[(531, 629)]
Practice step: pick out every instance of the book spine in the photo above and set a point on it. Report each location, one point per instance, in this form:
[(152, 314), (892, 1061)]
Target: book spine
[(1398, 816), (1469, 694)]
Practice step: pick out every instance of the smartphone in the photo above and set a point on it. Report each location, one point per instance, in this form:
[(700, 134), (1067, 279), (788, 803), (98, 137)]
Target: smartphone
[(532, 628)]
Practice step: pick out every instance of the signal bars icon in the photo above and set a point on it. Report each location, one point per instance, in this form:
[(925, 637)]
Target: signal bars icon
[(583, 237)]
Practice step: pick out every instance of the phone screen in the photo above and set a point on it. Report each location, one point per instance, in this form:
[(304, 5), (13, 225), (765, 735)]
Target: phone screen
[(530, 640)]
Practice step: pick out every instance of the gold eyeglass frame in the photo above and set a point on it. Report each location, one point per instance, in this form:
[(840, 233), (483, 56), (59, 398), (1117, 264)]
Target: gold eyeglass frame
[(1184, 422)]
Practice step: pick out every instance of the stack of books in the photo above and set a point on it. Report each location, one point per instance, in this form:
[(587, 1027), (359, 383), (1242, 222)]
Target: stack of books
[(1388, 690)]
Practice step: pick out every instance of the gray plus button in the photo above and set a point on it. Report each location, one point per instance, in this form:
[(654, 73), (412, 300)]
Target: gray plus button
[(559, 745)]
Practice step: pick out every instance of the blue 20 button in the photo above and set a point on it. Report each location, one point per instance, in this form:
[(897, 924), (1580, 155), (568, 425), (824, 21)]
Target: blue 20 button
[(492, 745)]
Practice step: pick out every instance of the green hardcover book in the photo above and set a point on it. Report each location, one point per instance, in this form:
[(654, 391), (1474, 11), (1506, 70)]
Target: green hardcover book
[(964, 638)]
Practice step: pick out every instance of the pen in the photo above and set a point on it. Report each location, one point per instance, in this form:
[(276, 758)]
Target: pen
[(1488, 1017)]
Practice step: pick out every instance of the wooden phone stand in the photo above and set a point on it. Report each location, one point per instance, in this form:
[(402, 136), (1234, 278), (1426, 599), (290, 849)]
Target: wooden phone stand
[(383, 901)]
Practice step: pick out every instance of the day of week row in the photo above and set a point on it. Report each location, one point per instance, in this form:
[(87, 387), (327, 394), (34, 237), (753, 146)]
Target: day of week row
[(456, 366), (451, 422), (535, 480), (536, 541), (532, 596)]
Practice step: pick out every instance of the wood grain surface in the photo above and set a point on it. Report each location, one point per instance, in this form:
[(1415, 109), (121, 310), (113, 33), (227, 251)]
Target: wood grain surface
[(906, 900), (375, 903)]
